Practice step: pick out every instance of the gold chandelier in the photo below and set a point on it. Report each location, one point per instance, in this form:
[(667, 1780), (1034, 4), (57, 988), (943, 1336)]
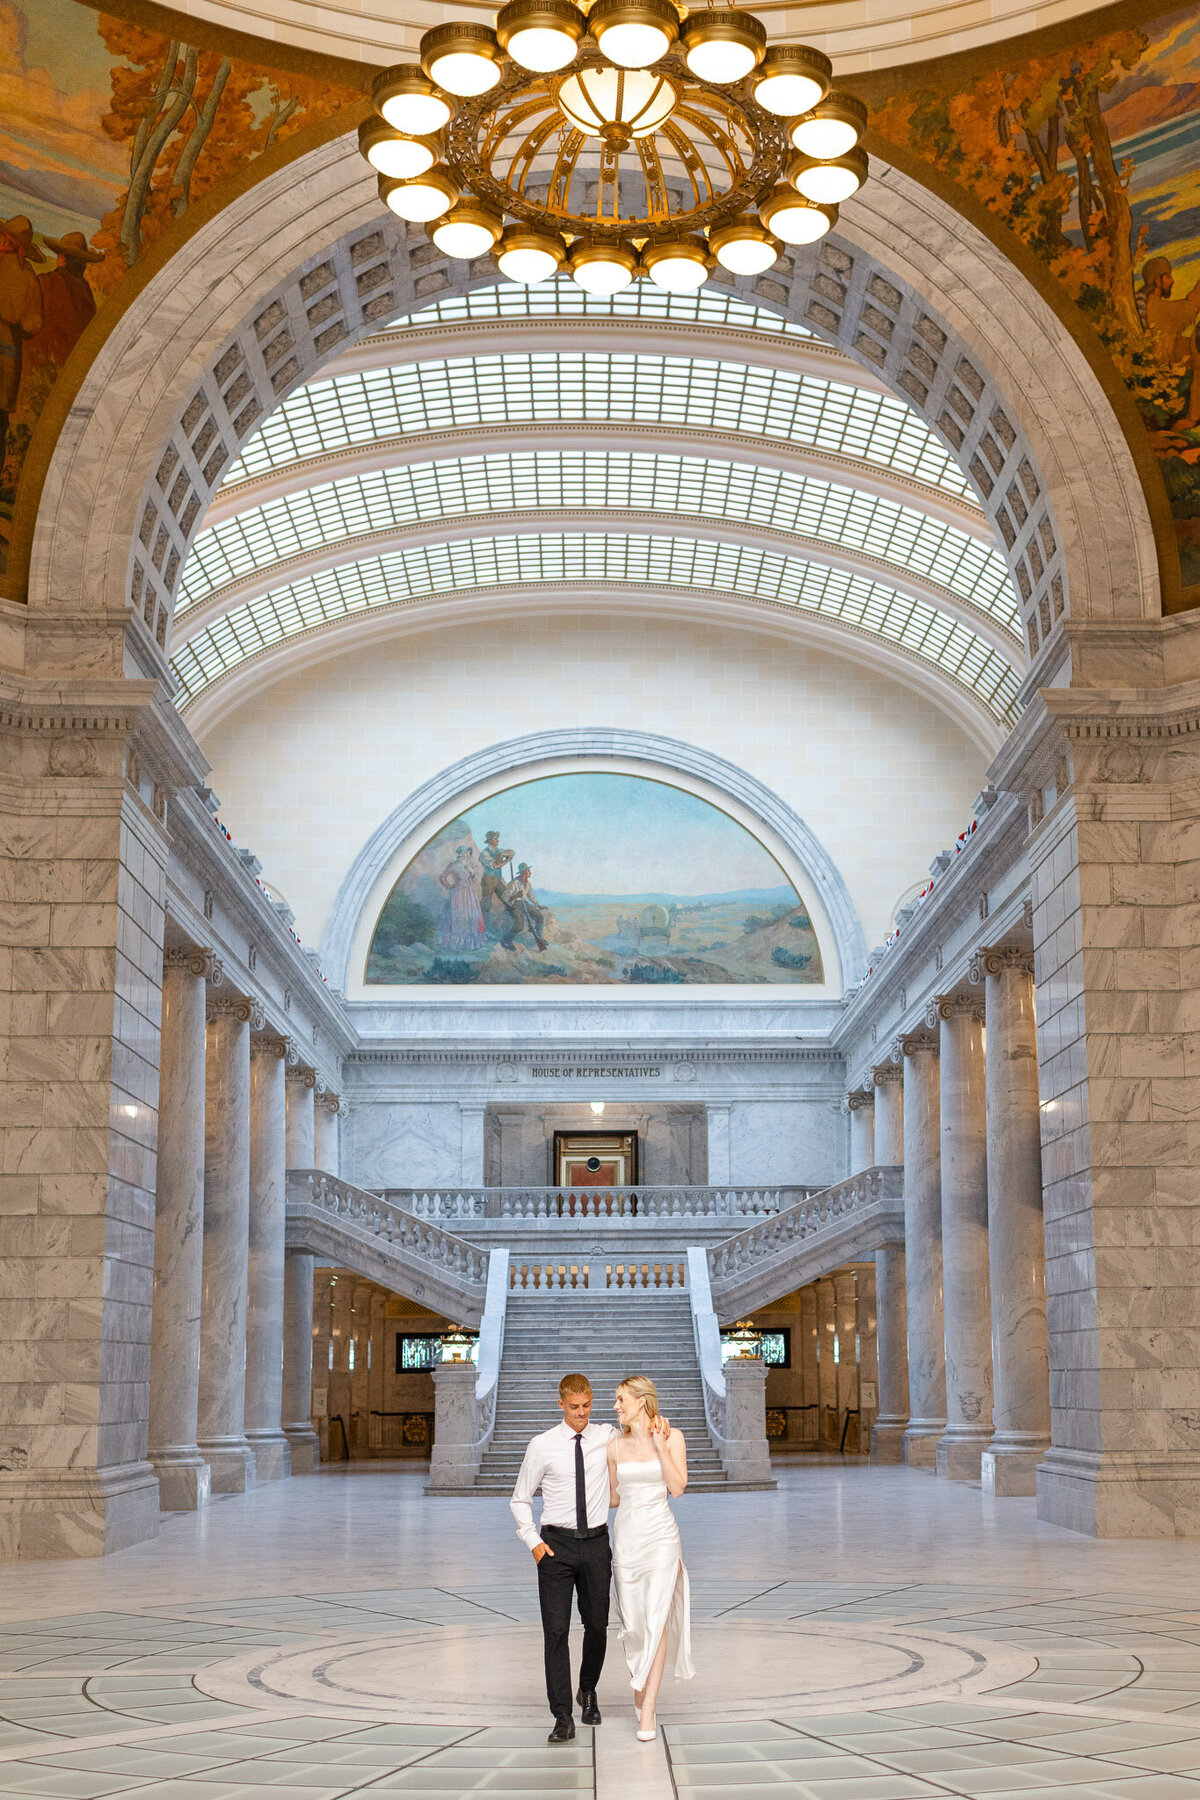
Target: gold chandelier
[(629, 138)]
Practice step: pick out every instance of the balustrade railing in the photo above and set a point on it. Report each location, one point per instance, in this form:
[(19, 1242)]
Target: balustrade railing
[(592, 1203), (841, 1201), (394, 1226), (594, 1275)]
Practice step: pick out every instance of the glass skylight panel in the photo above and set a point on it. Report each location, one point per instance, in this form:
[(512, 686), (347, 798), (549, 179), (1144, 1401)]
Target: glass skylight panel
[(563, 299), (693, 393), (544, 481), (581, 557)]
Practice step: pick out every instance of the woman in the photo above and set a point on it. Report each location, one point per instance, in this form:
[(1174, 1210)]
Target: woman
[(653, 1597), (460, 924)]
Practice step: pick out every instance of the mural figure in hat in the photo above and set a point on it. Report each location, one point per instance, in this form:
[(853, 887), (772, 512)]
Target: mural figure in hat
[(68, 303), (20, 310), (1171, 325), (524, 911)]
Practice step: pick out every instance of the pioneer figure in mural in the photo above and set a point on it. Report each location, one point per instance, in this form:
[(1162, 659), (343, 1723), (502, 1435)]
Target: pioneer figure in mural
[(20, 310), (68, 303), (494, 861), (523, 908), (1171, 325), (460, 923)]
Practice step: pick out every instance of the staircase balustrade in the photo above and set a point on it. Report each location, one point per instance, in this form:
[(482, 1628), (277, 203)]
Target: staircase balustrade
[(593, 1275), (555, 1204), (874, 1197)]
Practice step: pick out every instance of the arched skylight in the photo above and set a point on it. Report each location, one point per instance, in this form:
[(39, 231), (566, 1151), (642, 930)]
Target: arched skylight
[(563, 299), (549, 480), (692, 393), (586, 558)]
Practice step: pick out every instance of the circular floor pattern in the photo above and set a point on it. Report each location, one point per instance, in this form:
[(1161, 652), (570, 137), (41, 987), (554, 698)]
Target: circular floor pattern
[(493, 1673)]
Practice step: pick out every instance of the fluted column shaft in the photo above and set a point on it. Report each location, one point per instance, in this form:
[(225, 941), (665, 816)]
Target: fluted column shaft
[(325, 1135), (923, 1251), (862, 1132), (183, 1475), (226, 1248), (889, 1115), (1016, 1235), (891, 1339), (298, 1361), (965, 1279), (268, 1220)]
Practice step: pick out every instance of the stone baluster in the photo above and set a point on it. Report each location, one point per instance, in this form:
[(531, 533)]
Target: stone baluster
[(299, 1130), (326, 1149), (891, 1340), (889, 1115), (966, 1283), (183, 1474), (268, 1218), (862, 1130), (1016, 1236), (923, 1249), (221, 1422)]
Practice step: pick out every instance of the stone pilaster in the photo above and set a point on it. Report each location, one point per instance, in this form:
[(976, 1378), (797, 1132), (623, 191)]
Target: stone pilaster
[(268, 1218), (183, 1474), (889, 1115), (221, 1432), (300, 1132), (891, 1337), (923, 1249), (718, 1143), (862, 1130), (1016, 1239), (298, 1329), (326, 1108), (965, 1281)]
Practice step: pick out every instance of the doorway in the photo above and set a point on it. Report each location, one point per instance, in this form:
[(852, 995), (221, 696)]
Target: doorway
[(595, 1159)]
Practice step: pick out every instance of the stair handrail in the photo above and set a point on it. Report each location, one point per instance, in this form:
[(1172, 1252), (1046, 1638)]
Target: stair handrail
[(374, 1216), (706, 1331), (491, 1349), (842, 1200)]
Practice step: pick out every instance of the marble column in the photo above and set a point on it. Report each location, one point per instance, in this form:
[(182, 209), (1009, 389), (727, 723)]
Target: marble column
[(268, 1220), (862, 1130), (183, 1475), (221, 1422), (325, 1133), (891, 1338), (718, 1145), (811, 1422), (889, 1115), (1016, 1234), (845, 1316), (471, 1145), (298, 1327), (923, 1250), (300, 1149), (965, 1279)]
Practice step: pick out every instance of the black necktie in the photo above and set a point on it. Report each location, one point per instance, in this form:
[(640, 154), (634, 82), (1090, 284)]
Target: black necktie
[(581, 1523)]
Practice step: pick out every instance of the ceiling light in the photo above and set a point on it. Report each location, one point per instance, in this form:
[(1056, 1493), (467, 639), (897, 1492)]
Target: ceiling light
[(634, 33), (406, 98), (391, 154), (830, 129), (743, 246), (791, 79), (462, 58), (541, 35), (425, 198), (722, 46), (828, 183), (680, 266), (529, 256), (795, 219), (602, 268), (468, 230), (597, 1106), (617, 105)]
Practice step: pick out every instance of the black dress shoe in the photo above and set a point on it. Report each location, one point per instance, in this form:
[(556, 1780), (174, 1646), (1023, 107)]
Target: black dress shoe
[(590, 1712), (564, 1730)]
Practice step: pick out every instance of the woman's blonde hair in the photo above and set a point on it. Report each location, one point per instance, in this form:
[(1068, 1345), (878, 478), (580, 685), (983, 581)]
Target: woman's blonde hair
[(641, 1388)]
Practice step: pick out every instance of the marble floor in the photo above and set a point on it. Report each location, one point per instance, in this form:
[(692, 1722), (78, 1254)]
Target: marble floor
[(859, 1634)]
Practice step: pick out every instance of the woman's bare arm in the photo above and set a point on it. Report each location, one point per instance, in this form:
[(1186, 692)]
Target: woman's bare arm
[(614, 1498), (672, 1457)]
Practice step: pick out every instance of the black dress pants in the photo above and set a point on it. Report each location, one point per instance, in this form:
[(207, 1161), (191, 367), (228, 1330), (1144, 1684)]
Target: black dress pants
[(581, 1566)]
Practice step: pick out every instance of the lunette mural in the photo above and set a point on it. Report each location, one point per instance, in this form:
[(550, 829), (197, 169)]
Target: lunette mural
[(587, 879)]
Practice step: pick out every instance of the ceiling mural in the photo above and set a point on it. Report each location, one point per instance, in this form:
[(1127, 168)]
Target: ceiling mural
[(593, 879)]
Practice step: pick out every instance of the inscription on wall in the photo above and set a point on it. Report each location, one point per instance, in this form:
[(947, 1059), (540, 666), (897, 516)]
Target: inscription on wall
[(603, 1072)]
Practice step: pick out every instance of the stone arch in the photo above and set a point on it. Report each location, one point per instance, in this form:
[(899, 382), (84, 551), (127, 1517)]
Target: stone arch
[(216, 339), (517, 755)]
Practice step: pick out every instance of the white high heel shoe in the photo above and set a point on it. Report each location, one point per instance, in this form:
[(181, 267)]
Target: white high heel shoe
[(647, 1737)]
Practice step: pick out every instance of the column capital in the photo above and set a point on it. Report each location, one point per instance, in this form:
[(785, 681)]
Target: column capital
[(999, 958), (236, 1006), (953, 1006), (859, 1098), (330, 1103), (301, 1074), (886, 1074), (915, 1043), (193, 958), (268, 1043)]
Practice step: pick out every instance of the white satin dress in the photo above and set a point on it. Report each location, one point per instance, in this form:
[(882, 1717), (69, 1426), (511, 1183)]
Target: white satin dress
[(653, 1595)]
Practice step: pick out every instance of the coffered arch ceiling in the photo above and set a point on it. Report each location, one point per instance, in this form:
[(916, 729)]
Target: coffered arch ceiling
[(354, 495)]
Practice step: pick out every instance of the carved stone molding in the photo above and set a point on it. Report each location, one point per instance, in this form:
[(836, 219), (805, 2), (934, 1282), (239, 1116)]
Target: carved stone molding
[(216, 972), (916, 1043), (887, 1073), (953, 1006), (999, 958), (193, 959)]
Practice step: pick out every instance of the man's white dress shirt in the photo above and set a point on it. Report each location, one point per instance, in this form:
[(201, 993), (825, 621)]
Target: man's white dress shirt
[(550, 1465)]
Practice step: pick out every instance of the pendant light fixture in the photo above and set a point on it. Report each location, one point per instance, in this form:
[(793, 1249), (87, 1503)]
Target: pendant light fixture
[(722, 46)]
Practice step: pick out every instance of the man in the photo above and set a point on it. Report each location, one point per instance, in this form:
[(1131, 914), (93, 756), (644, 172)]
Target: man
[(521, 905), (493, 860), (1171, 325), (68, 303), (20, 310), (572, 1552)]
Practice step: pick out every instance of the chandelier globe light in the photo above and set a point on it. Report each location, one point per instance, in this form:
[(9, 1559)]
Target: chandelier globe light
[(723, 45), (541, 35), (614, 140), (831, 128), (634, 33)]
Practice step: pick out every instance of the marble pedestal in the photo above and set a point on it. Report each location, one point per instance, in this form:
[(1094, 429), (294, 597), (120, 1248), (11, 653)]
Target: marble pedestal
[(455, 1457), (745, 1452)]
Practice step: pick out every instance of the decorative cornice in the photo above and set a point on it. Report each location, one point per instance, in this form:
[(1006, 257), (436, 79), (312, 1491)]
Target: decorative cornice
[(660, 1056), (999, 958), (953, 1006)]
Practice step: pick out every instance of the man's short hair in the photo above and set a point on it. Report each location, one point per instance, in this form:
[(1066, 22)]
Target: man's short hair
[(573, 1384)]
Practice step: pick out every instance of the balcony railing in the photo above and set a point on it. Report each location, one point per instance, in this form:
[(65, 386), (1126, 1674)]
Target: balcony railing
[(464, 1204), (876, 1190)]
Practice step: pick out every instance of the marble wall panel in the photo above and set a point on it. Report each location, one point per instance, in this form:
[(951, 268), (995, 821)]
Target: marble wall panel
[(794, 1142), (405, 1144)]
